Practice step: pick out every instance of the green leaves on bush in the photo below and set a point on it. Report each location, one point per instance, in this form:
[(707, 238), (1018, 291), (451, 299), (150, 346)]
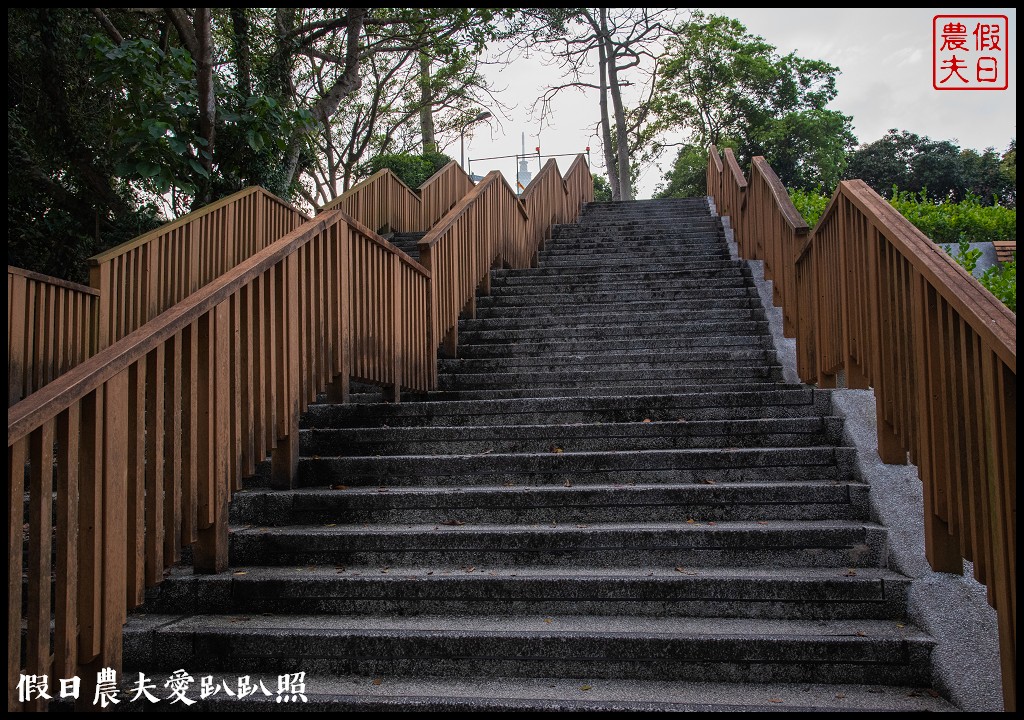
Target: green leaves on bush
[(413, 170), (946, 222)]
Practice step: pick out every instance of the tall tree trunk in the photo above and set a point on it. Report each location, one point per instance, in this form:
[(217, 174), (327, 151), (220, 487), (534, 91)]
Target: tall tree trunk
[(621, 136), (606, 131), (207, 101), (243, 54), (346, 84), (426, 106)]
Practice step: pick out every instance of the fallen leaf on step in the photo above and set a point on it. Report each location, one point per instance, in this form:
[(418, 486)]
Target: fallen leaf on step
[(690, 521), (774, 700), (584, 688), (331, 525), (707, 481), (900, 625), (470, 569), (646, 419), (556, 449), (384, 571), (452, 522), (840, 696), (861, 633), (240, 572), (934, 693), (382, 489), (549, 620), (850, 573), (567, 483), (430, 573), (339, 487), (762, 522), (377, 681), (711, 522), (582, 526)]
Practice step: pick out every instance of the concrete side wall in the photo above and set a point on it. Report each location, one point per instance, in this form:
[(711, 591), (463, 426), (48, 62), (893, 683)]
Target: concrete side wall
[(952, 608)]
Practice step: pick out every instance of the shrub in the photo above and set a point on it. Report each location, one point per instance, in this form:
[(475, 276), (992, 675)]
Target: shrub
[(413, 170)]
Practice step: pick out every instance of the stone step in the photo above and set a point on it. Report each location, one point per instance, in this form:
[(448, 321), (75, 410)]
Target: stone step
[(640, 347), (637, 283), (739, 299), (684, 290), (611, 318), (653, 333), (360, 693), (792, 432), (778, 401), (604, 389), (744, 355), (701, 502), (795, 593), (581, 468), (575, 646), (607, 377), (600, 276)]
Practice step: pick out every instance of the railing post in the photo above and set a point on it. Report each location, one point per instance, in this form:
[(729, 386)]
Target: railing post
[(285, 457), (942, 548), (397, 304), (210, 552)]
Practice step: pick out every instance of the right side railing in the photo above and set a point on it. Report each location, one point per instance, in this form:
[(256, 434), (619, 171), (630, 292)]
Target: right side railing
[(868, 294)]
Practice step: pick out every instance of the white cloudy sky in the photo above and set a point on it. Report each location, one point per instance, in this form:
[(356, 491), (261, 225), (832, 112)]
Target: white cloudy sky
[(885, 59)]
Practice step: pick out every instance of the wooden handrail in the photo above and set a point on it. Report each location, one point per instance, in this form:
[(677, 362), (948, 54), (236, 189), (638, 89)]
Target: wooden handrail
[(441, 192), (134, 453), (487, 226), (141, 278), (869, 295), (50, 326), (382, 202), (147, 438)]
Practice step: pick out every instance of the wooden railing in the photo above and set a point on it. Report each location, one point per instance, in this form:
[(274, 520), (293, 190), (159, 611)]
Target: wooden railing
[(382, 202), (460, 251), (142, 444), (139, 279), (49, 329), (441, 192), (134, 453), (873, 297), (579, 188), (544, 200)]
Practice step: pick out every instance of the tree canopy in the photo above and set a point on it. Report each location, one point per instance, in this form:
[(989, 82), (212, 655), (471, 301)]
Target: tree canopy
[(120, 116), (939, 168), (719, 84)]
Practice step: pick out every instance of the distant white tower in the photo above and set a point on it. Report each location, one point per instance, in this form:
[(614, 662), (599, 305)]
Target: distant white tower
[(524, 177)]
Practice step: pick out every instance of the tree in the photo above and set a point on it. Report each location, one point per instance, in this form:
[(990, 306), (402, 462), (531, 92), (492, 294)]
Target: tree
[(623, 39), (719, 84), (118, 116), (943, 170)]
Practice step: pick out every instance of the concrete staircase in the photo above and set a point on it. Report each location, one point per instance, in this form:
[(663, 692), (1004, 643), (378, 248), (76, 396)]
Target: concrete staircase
[(611, 502)]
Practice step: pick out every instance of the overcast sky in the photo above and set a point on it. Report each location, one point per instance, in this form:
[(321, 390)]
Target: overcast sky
[(885, 60)]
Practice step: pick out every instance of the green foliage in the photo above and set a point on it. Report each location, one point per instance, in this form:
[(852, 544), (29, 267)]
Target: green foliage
[(1001, 281), (951, 222), (687, 176), (965, 256), (602, 190), (938, 167), (413, 170), (725, 86), (810, 204)]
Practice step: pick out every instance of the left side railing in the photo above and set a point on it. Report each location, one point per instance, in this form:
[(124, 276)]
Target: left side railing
[(381, 202), (139, 279), (120, 462), (49, 329)]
